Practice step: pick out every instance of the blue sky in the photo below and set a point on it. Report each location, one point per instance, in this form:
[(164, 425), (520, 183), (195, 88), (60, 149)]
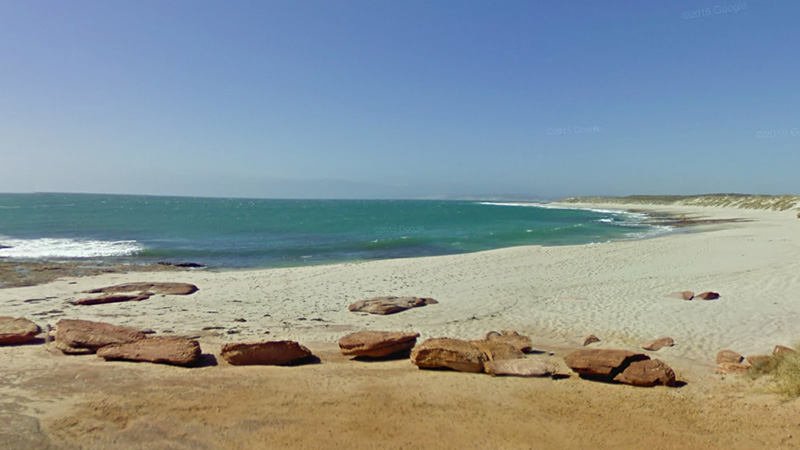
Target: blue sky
[(386, 99)]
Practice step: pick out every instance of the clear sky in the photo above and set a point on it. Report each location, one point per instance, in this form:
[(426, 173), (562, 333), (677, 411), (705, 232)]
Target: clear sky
[(385, 99)]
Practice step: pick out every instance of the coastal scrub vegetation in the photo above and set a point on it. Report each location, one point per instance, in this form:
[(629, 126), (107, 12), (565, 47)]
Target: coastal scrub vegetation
[(742, 201), (784, 369)]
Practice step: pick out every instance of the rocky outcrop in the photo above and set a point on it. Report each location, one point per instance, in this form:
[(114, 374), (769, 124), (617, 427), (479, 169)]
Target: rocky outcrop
[(17, 330), (601, 362), (377, 344), (111, 299), (708, 295), (647, 373), (520, 342), (729, 356), (163, 350), (528, 367), (83, 336), (657, 344), (590, 339), (152, 288), (453, 354), (389, 305), (272, 353), (498, 350)]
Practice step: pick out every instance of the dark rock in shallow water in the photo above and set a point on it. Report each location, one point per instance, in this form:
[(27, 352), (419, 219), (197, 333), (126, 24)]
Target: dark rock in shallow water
[(4, 246), (189, 265)]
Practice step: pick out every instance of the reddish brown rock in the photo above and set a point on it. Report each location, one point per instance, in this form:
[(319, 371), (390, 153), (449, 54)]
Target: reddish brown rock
[(111, 299), (521, 342), (272, 353), (498, 350), (17, 330), (590, 339), (657, 344), (153, 288), (162, 350), (528, 367), (708, 295), (601, 362), (83, 336), (647, 373), (780, 350), (377, 344), (729, 368), (729, 356), (389, 305), (448, 353), (683, 295), (760, 362)]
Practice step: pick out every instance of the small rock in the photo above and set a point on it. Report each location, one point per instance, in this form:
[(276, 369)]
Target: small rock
[(781, 350), (272, 353), (377, 344), (528, 367), (389, 305), (683, 295), (163, 350), (239, 320), (521, 342), (729, 356), (729, 368), (17, 330), (590, 339), (708, 295), (448, 353), (657, 344), (647, 373)]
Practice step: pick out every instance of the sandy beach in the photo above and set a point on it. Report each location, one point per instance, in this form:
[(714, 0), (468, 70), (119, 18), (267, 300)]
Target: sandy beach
[(557, 295)]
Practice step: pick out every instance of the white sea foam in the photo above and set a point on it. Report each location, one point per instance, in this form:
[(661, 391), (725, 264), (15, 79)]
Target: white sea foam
[(66, 248)]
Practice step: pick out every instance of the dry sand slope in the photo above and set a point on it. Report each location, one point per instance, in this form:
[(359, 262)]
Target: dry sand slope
[(557, 295)]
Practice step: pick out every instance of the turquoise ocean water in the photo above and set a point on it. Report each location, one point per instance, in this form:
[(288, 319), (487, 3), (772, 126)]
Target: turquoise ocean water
[(238, 233)]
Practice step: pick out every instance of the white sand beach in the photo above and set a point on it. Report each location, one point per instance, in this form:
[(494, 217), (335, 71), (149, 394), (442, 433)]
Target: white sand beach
[(557, 295)]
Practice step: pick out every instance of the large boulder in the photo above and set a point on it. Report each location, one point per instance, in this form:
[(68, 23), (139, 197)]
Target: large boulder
[(389, 305), (272, 353), (17, 330), (601, 362), (657, 344), (153, 288), (83, 336), (453, 354), (164, 350), (377, 344), (729, 356), (528, 367), (521, 342), (647, 373)]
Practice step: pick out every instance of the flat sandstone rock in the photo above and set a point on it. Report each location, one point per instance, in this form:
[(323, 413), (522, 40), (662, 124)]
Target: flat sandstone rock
[(17, 330), (377, 344), (601, 362), (521, 342), (657, 344), (455, 354), (528, 367), (163, 350), (155, 288), (271, 353), (83, 336), (647, 373), (112, 299), (389, 305)]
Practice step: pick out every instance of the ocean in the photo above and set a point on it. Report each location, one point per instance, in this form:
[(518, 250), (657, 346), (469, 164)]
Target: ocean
[(250, 233)]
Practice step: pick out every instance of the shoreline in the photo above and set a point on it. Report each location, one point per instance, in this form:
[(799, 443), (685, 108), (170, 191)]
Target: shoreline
[(556, 295)]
